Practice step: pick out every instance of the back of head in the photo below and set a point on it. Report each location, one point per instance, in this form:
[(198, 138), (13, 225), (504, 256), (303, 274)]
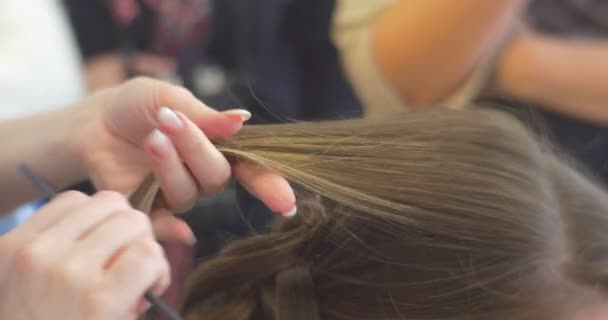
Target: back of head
[(432, 215)]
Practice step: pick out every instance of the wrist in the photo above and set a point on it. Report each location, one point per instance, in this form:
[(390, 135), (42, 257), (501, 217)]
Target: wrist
[(49, 143), (75, 140), (90, 132), (82, 125), (69, 141)]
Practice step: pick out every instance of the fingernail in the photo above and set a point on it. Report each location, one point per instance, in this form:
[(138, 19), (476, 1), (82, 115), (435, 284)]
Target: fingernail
[(158, 138), (191, 240), (291, 213), (168, 118), (244, 114)]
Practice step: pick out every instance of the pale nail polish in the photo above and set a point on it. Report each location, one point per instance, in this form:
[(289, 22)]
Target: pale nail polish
[(168, 118), (291, 213), (158, 138), (244, 114)]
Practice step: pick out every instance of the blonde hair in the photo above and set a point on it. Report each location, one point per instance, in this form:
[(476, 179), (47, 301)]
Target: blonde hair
[(430, 215)]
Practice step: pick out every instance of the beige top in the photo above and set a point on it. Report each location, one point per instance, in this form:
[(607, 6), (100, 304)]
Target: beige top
[(351, 32)]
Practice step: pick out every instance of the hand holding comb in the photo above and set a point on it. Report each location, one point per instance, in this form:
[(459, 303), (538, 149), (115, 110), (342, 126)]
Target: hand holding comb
[(142, 199)]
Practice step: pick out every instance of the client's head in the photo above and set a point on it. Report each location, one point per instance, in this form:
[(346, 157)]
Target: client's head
[(435, 215)]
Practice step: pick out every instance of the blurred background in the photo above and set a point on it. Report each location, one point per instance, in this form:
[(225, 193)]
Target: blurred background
[(544, 61), (272, 57)]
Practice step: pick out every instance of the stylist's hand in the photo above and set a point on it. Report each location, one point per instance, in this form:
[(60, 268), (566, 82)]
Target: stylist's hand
[(81, 258), (147, 125)]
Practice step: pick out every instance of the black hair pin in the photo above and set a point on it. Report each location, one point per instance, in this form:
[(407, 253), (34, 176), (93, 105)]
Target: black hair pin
[(49, 191)]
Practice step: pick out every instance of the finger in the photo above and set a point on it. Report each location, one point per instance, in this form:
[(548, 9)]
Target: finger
[(81, 219), (207, 164), (168, 228), (270, 188), (98, 247), (53, 212), (180, 258), (216, 125), (57, 241), (142, 266), (151, 95), (223, 125), (178, 99), (179, 188)]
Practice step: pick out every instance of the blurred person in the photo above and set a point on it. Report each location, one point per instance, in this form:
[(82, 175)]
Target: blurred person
[(558, 60), (541, 60), (273, 57), (410, 54), (39, 59), (123, 38), (552, 77), (447, 43), (39, 67)]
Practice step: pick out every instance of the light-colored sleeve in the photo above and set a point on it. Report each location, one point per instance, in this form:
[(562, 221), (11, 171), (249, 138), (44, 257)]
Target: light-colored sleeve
[(352, 26), (40, 67)]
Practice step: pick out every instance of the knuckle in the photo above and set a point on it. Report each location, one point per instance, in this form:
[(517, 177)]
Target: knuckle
[(70, 273), (140, 219), (72, 196), (167, 93), (148, 250), (30, 258), (113, 197), (215, 183), (8, 244), (133, 222), (96, 303)]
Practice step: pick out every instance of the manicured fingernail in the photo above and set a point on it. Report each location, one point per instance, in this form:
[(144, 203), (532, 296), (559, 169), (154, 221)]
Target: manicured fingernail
[(244, 114), (158, 138), (291, 213), (168, 118)]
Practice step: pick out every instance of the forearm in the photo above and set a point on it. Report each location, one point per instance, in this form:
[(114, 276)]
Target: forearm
[(426, 49), (562, 75), (44, 142)]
